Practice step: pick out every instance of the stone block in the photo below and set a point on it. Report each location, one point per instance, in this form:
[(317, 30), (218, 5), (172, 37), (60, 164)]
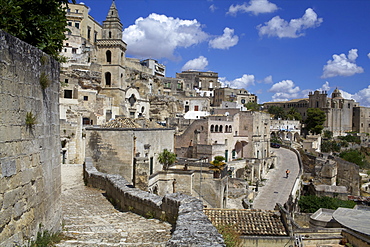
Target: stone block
[(8, 167)]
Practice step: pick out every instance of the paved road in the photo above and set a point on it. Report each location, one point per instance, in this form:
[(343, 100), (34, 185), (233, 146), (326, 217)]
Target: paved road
[(277, 187), (90, 220)]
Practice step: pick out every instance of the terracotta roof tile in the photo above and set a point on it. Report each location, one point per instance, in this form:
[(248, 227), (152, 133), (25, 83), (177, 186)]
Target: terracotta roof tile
[(249, 221)]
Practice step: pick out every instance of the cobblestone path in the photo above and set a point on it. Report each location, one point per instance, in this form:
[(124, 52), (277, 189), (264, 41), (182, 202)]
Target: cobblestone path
[(91, 220)]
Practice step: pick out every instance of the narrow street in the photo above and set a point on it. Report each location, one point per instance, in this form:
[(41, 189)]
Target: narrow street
[(91, 220), (277, 187)]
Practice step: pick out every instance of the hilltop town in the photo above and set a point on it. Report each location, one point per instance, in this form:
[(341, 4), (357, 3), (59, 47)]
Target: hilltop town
[(180, 150)]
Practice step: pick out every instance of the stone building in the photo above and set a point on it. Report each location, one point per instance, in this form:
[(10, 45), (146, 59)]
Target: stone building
[(98, 81), (129, 147), (361, 119), (339, 111), (240, 136), (342, 115), (241, 96), (301, 105), (203, 82)]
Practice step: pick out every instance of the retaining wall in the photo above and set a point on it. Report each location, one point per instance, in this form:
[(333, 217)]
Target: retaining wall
[(30, 176), (191, 225)]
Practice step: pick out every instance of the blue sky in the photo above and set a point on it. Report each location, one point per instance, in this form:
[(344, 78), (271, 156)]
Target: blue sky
[(279, 50)]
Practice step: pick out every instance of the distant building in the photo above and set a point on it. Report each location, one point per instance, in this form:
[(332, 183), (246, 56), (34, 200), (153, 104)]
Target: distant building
[(342, 115), (203, 82), (241, 96)]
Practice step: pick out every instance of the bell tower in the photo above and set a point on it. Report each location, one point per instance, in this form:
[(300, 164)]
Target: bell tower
[(111, 51)]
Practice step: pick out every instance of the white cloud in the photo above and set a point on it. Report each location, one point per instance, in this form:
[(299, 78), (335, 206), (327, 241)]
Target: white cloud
[(227, 40), (285, 90), (368, 55), (341, 65), (255, 6), (199, 63), (158, 36), (362, 96), (324, 87), (244, 82), (268, 79), (212, 8), (280, 28)]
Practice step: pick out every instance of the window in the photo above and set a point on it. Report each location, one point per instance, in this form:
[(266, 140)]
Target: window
[(67, 44), (69, 23), (107, 79), (65, 50), (68, 94), (110, 34), (74, 50), (212, 128), (85, 121), (95, 36), (220, 128), (108, 55), (88, 33), (76, 10), (77, 24), (68, 10), (65, 80), (86, 98), (196, 108)]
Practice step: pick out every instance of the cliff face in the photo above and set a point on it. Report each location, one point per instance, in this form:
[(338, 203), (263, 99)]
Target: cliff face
[(30, 183)]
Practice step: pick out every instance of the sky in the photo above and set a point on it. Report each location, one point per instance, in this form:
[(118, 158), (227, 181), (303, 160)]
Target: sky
[(278, 50)]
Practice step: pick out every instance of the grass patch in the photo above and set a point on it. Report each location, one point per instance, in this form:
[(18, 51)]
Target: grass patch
[(46, 239), (230, 235), (30, 120), (44, 80)]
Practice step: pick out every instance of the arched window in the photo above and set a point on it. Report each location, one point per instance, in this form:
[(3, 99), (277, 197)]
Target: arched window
[(108, 55), (226, 129), (212, 128), (108, 79), (110, 34), (216, 128), (230, 129), (220, 128)]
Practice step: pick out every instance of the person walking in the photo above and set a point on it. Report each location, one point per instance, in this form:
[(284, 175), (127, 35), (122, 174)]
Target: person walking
[(287, 173)]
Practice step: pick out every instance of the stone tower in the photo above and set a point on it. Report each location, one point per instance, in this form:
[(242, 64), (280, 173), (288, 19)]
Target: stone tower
[(112, 51)]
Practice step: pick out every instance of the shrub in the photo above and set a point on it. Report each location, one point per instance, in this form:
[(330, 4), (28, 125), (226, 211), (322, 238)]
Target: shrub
[(311, 203)]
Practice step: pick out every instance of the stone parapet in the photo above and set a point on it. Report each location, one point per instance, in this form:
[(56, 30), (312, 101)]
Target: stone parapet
[(191, 225)]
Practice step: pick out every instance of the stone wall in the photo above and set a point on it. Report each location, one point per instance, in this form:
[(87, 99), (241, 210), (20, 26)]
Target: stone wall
[(348, 175), (191, 225), (30, 184)]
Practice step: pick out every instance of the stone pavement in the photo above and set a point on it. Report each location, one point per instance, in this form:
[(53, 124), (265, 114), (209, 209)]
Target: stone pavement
[(90, 219), (277, 187)]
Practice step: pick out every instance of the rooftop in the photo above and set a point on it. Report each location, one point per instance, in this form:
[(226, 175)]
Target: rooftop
[(122, 122), (249, 221)]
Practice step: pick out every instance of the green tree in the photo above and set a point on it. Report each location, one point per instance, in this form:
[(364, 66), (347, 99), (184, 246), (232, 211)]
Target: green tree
[(40, 23), (253, 106), (217, 164), (315, 120), (328, 134), (293, 114), (311, 203), (166, 158), (353, 156), (277, 111)]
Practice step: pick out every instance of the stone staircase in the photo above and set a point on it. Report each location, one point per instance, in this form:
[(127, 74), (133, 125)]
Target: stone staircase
[(89, 219)]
